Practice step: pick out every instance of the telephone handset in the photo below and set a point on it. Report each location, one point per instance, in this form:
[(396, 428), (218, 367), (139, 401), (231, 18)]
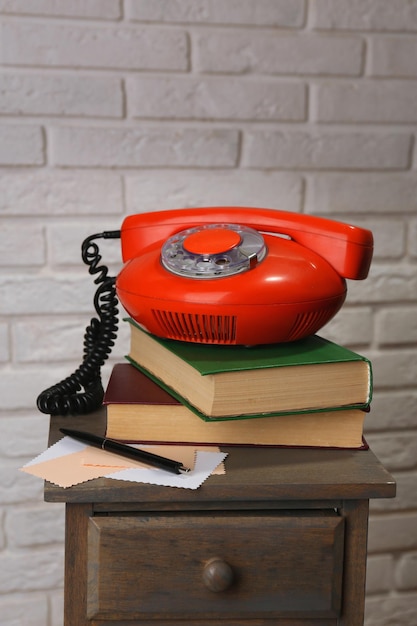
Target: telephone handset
[(348, 248), (217, 275)]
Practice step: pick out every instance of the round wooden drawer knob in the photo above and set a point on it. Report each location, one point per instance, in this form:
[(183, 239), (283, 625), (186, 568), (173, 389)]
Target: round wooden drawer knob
[(217, 575)]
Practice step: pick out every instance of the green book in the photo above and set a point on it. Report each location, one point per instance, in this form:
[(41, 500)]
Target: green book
[(218, 382)]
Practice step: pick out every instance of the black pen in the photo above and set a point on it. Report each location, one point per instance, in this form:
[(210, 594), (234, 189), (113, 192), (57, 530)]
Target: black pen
[(110, 445)]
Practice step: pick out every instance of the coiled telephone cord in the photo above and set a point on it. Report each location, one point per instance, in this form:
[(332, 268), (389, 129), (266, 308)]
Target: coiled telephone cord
[(82, 392)]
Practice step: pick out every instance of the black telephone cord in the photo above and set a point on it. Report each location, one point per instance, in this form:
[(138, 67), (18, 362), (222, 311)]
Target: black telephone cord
[(82, 392)]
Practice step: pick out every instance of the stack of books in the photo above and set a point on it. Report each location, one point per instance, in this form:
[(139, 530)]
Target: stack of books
[(309, 393)]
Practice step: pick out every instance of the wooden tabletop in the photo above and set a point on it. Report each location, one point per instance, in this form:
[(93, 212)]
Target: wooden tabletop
[(253, 474)]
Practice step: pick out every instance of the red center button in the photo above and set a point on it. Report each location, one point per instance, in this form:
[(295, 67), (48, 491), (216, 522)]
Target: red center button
[(212, 241)]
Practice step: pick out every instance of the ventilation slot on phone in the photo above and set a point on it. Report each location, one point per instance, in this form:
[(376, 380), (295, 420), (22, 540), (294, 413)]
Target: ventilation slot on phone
[(199, 328), (309, 323)]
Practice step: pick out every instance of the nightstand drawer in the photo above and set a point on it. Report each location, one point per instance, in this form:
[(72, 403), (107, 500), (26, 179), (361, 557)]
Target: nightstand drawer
[(218, 566)]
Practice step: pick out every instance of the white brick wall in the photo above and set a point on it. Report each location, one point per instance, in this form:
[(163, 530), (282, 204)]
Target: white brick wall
[(143, 147), (110, 107)]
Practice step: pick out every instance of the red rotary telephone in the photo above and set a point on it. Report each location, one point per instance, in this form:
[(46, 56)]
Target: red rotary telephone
[(222, 275), (236, 275)]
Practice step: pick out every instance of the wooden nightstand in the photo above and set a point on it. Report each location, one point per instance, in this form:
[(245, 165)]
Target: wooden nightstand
[(280, 540)]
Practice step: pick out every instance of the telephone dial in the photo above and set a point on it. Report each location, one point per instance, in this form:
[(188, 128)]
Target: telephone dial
[(219, 275)]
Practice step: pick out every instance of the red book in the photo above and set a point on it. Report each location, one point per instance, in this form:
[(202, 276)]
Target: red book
[(139, 410)]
